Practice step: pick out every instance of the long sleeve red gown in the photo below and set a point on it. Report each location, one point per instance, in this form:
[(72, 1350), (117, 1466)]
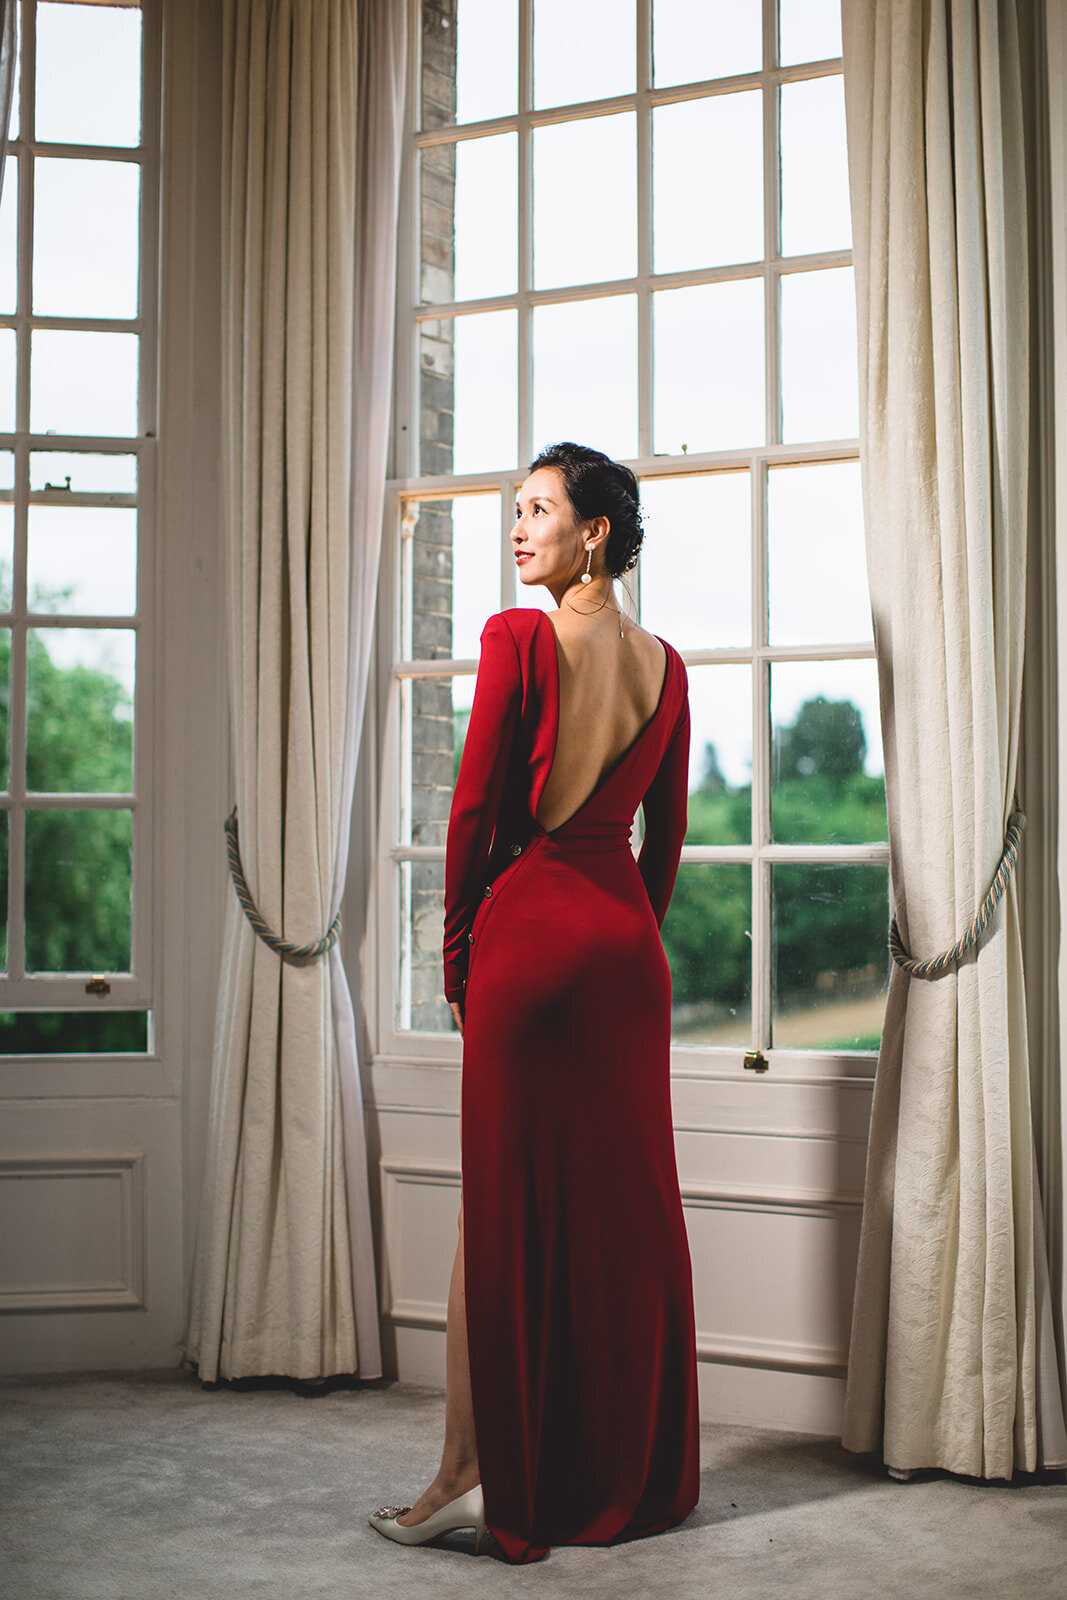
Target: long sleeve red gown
[(579, 1293)]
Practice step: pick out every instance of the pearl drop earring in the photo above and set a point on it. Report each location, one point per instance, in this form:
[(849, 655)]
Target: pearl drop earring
[(587, 576)]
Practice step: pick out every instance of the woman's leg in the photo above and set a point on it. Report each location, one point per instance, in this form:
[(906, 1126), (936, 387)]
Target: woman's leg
[(458, 1471)]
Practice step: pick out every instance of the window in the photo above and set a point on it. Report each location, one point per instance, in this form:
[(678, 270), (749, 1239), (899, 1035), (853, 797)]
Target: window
[(629, 225), (77, 442)]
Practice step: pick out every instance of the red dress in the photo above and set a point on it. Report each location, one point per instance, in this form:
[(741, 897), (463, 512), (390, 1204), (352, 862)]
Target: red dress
[(579, 1291)]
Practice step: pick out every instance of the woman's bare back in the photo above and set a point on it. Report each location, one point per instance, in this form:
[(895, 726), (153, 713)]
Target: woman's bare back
[(609, 689)]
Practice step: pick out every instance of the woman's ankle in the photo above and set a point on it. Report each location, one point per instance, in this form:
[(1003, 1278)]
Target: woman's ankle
[(458, 1475)]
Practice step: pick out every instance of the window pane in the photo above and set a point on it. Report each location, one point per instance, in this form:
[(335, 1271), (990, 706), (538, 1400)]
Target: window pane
[(690, 43), (47, 1033), (485, 391), (487, 59), (82, 560), (815, 528), (720, 755), (421, 1004), (7, 380), (9, 235), (715, 403), (585, 226), (83, 382), (583, 50), (469, 61), (426, 731), (830, 956), (707, 935), (467, 414), (819, 387), (83, 473), (808, 30), (475, 569), (695, 564), (86, 220), (434, 713), (585, 374), (78, 886), (463, 258), (815, 203), (88, 74), (485, 255), (726, 224), (452, 580), (79, 710), (7, 555), (827, 781)]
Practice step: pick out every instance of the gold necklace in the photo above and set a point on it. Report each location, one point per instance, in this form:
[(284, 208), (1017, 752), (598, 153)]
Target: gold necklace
[(603, 607)]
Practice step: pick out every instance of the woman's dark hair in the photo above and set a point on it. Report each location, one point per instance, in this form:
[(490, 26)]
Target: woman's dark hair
[(599, 487)]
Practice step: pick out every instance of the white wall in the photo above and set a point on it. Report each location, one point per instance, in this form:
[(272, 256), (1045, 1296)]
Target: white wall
[(771, 1173)]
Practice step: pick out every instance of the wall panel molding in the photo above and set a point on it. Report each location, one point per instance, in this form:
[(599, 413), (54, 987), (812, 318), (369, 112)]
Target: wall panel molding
[(77, 1195), (406, 1309)]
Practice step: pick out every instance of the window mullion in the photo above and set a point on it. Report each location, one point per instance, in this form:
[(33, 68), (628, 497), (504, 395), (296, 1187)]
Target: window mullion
[(524, 312), (761, 775), (644, 228), (771, 220)]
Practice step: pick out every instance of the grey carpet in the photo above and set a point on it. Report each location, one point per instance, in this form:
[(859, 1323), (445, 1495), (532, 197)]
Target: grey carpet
[(150, 1485)]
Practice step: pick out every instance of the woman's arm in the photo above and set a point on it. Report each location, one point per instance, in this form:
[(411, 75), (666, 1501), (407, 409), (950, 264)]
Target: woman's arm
[(479, 785), (666, 816)]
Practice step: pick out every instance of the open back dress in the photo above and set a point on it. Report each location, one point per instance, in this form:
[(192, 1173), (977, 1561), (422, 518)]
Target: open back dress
[(579, 1295)]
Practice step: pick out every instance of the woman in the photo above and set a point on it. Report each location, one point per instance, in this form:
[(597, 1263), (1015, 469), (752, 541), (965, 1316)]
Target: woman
[(571, 1406)]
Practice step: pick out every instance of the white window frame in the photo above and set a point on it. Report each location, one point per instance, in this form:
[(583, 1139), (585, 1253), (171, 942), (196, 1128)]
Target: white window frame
[(134, 990), (407, 489)]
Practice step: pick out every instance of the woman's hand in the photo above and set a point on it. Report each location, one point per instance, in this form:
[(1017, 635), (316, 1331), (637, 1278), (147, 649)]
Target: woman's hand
[(457, 1012)]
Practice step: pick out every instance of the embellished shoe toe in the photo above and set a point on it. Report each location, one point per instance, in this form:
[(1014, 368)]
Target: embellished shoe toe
[(466, 1511)]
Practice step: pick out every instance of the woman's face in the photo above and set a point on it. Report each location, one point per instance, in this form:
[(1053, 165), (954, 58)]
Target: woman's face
[(548, 540)]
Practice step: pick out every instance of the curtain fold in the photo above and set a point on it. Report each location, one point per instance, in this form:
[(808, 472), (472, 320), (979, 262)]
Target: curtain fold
[(952, 1361), (284, 1278)]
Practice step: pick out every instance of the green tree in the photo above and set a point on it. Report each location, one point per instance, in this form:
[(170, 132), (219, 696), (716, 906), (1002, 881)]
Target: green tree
[(826, 740), (712, 781), (827, 920), (78, 862)]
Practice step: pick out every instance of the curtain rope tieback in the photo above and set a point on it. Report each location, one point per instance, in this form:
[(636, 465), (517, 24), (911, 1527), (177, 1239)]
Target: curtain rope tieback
[(282, 947), (949, 958)]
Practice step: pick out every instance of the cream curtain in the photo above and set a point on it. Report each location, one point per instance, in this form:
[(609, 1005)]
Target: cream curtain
[(284, 1278), (952, 1361)]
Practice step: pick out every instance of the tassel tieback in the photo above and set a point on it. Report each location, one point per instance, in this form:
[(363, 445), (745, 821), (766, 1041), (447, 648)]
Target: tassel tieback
[(983, 917), (281, 947)]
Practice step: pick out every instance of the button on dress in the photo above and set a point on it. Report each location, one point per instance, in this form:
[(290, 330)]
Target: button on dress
[(579, 1296)]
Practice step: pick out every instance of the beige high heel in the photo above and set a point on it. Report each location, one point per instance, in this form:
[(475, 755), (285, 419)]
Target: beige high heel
[(466, 1511)]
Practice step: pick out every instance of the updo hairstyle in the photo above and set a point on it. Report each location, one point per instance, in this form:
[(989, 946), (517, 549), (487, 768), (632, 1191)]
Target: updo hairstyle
[(599, 487)]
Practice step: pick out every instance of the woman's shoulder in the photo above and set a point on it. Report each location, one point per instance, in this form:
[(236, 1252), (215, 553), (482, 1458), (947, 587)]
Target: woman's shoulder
[(517, 623), (520, 619)]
